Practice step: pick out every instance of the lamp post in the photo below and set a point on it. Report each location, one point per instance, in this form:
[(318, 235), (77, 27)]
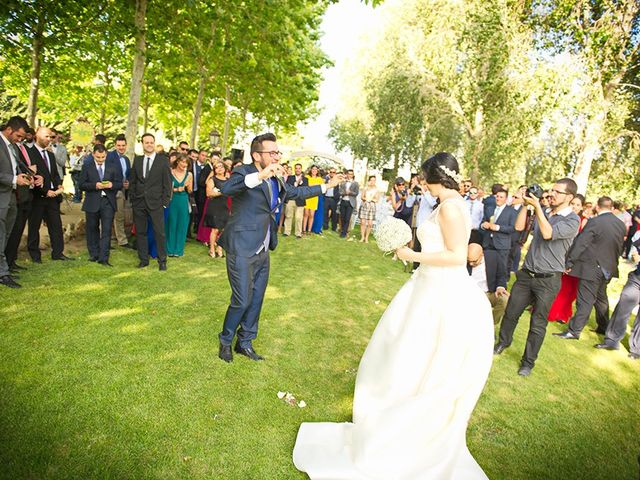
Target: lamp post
[(214, 138)]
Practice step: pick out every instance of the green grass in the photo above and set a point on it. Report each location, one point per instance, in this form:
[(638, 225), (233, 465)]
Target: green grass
[(114, 374)]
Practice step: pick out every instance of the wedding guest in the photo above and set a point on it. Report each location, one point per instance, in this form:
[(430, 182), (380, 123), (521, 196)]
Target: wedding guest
[(513, 260), (539, 278), (150, 191), (311, 204), (282, 211), (46, 200), (199, 196), (217, 213), (100, 180), (178, 221), (476, 209), (11, 177), (562, 308), (294, 209), (629, 299), (119, 157), (477, 269), (400, 201), (367, 213), (593, 258), (348, 190), (331, 199), (75, 164)]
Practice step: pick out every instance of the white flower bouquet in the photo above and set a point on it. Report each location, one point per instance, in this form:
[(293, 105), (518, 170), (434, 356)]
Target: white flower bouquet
[(392, 234)]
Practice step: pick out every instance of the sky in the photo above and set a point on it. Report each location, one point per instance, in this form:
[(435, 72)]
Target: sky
[(344, 22)]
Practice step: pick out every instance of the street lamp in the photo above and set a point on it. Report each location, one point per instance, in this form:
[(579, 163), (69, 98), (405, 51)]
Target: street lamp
[(214, 138)]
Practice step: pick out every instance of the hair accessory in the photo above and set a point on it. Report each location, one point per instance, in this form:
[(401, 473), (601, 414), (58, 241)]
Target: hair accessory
[(450, 173)]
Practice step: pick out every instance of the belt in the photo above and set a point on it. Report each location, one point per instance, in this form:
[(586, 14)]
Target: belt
[(538, 275)]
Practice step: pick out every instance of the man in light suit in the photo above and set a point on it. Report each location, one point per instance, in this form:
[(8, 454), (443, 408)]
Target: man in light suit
[(257, 192), (497, 232), (593, 258), (100, 181), (150, 191), (349, 191), (119, 158), (295, 207), (10, 179)]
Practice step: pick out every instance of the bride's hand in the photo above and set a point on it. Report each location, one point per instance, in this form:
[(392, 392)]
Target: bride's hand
[(404, 253)]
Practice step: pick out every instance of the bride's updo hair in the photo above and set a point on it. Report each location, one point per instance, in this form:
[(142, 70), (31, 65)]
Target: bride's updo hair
[(442, 168)]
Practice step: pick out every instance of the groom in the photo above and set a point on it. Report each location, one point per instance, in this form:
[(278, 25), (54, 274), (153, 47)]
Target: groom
[(257, 192)]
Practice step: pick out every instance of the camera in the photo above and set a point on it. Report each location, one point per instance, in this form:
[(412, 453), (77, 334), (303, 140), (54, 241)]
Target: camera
[(535, 190)]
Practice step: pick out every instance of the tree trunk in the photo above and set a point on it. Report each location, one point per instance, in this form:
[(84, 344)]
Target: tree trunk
[(592, 134), (227, 105), (137, 75), (36, 63), (145, 119), (197, 109), (105, 98)]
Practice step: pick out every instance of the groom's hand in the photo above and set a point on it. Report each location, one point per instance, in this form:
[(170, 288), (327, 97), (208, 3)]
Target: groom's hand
[(271, 170), (335, 181)]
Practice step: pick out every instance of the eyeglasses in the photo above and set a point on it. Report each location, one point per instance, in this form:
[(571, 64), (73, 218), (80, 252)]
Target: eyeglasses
[(272, 153), (473, 192), (559, 192)]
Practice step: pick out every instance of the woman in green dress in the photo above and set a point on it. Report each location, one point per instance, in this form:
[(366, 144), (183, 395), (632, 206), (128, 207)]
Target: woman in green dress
[(178, 221)]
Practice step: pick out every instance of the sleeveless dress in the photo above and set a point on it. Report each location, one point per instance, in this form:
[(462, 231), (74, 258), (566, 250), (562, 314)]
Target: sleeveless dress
[(177, 223), (217, 211), (417, 385)]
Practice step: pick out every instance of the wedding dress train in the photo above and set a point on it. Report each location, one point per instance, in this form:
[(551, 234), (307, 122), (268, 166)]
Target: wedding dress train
[(417, 385)]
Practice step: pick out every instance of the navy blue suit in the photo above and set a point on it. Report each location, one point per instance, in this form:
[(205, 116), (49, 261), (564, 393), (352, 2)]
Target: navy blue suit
[(100, 206), (251, 223), (496, 246)]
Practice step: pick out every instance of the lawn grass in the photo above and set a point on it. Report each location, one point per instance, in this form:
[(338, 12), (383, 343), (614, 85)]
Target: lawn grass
[(113, 373)]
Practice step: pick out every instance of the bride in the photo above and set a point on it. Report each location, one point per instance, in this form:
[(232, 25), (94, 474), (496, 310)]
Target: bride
[(424, 368)]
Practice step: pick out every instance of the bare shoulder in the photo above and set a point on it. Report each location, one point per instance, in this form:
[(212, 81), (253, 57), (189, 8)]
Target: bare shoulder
[(450, 211)]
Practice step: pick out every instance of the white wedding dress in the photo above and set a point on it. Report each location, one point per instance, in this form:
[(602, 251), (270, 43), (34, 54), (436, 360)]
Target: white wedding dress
[(418, 382)]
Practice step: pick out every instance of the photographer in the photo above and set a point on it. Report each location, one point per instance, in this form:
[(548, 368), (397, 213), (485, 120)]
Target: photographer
[(538, 281), (402, 201)]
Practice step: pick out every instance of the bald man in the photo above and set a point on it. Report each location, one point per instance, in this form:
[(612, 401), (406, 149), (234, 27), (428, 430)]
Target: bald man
[(477, 270), (46, 199)]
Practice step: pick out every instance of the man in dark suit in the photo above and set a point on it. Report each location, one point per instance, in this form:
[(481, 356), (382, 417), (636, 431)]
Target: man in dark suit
[(497, 231), (331, 200), (489, 203), (100, 181), (150, 191), (10, 179), (251, 232), (46, 200), (349, 190), (119, 158), (593, 258), (199, 194)]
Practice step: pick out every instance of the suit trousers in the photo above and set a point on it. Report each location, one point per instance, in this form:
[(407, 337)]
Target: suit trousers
[(99, 231), (141, 214), (7, 219), (497, 269), (248, 277), (120, 218), (330, 205), (617, 328), (293, 211), (15, 237), (591, 293), (345, 216), (541, 292), (49, 210)]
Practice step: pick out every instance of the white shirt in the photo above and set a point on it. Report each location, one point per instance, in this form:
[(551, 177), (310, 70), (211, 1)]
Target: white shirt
[(150, 158), (14, 163), (479, 275), (476, 210), (425, 208)]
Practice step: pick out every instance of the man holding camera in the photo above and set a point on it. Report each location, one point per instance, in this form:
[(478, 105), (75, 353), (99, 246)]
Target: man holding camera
[(538, 281)]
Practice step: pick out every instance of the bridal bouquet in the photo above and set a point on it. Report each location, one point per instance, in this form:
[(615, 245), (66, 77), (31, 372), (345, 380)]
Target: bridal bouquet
[(392, 234)]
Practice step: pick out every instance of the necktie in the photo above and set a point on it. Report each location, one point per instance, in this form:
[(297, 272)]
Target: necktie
[(100, 172), (25, 154), (46, 161), (147, 167)]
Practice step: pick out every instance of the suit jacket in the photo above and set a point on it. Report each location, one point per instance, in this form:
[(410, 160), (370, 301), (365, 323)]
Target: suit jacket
[(351, 195), (89, 177), (489, 206), (252, 215), (291, 180), (52, 180), (114, 157), (201, 193), (153, 192), (501, 240), (597, 247), (6, 175), (24, 193)]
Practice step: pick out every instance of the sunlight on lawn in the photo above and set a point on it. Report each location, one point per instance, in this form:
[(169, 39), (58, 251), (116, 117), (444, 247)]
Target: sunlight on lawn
[(116, 312)]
